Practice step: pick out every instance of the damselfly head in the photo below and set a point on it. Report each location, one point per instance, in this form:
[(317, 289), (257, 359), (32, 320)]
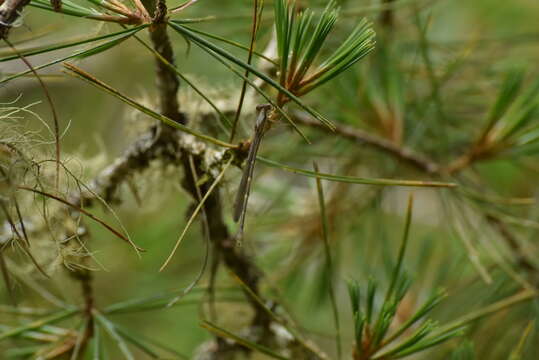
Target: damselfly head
[(263, 113), (265, 107)]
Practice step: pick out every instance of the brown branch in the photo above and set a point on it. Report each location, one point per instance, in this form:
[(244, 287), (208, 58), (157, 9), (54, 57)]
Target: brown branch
[(149, 146), (167, 80), (234, 258), (85, 279), (387, 16), (404, 154), (56, 5)]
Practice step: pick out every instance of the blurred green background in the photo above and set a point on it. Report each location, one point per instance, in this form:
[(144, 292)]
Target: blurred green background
[(481, 38)]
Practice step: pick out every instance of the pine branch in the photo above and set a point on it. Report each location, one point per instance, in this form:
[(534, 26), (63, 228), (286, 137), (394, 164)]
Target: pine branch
[(234, 258), (407, 155), (138, 156)]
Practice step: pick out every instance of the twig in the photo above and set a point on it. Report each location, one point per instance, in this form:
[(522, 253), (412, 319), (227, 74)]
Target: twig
[(249, 60), (84, 276), (387, 15), (402, 153), (149, 146), (81, 210)]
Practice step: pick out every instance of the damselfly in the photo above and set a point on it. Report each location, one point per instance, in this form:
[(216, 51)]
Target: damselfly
[(242, 197)]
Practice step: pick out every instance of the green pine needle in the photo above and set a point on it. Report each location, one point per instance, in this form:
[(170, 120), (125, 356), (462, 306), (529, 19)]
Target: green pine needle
[(300, 41)]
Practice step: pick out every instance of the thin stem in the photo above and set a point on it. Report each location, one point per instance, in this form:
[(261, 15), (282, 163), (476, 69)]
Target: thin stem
[(402, 153), (524, 295), (329, 262)]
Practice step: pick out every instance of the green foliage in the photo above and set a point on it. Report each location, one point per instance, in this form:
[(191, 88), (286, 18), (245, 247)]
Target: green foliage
[(371, 326), (300, 40), (511, 126), (431, 109)]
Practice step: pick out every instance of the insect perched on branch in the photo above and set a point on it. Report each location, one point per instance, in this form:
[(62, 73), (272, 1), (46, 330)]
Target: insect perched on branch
[(242, 196)]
